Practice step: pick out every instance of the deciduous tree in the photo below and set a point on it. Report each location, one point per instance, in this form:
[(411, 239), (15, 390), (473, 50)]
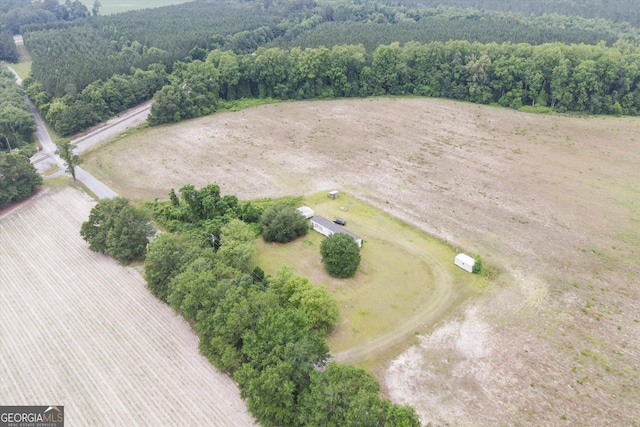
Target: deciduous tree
[(340, 255), (118, 229), (281, 223), (71, 160)]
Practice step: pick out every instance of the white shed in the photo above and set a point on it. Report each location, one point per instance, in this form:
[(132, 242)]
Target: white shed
[(306, 211), (465, 262)]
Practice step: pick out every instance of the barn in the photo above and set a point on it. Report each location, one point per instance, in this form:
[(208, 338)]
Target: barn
[(465, 262), (324, 226), (306, 211)]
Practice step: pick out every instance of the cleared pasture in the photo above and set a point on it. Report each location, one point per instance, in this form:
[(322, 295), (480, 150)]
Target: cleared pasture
[(405, 280), (79, 330), (552, 202)]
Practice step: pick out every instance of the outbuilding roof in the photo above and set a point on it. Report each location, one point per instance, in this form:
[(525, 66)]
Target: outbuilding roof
[(326, 223)]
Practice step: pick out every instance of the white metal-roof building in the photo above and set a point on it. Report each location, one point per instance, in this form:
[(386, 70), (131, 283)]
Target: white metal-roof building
[(324, 226), (465, 262), (306, 211)]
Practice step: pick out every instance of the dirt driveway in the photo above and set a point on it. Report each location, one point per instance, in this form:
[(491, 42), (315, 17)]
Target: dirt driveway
[(552, 202)]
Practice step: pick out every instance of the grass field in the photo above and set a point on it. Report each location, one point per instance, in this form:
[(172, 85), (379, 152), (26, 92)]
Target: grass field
[(79, 330), (390, 294), (550, 201)]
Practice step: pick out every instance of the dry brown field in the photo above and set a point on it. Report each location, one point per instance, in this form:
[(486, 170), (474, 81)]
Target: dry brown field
[(79, 330), (552, 203)]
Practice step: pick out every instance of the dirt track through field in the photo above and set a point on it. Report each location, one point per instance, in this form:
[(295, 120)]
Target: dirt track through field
[(79, 330)]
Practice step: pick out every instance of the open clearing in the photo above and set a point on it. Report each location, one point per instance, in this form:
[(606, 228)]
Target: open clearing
[(79, 330), (551, 201), (406, 280)]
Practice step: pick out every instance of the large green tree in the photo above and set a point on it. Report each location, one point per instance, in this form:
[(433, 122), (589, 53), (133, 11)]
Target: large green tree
[(71, 160), (18, 177), (118, 229), (298, 292), (282, 223), (340, 255), (237, 248), (167, 255)]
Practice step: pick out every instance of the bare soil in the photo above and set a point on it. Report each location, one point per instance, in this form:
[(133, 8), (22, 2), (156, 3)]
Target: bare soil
[(551, 202), (79, 330)]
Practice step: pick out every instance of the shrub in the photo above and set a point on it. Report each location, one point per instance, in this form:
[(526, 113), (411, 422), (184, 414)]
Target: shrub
[(477, 267)]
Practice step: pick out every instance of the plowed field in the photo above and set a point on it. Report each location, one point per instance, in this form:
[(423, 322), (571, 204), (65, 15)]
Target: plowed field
[(79, 330)]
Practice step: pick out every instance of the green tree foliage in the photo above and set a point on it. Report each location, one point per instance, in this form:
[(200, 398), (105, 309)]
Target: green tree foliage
[(96, 102), (345, 395), (194, 290), (595, 79), (314, 301), (8, 49), (71, 160), (619, 11), (201, 212), (477, 266), (16, 121), (237, 248), (16, 14), (104, 46), (167, 254), (240, 302), (281, 223), (18, 177), (340, 255), (268, 333), (282, 351), (118, 229)]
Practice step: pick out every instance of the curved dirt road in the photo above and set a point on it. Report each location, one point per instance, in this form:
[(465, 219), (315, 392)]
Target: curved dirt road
[(438, 303)]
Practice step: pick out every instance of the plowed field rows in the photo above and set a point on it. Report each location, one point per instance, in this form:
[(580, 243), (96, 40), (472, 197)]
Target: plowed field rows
[(79, 330)]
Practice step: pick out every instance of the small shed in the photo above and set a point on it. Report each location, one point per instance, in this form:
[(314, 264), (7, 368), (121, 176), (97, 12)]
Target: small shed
[(324, 226), (306, 211), (465, 262), (333, 194)]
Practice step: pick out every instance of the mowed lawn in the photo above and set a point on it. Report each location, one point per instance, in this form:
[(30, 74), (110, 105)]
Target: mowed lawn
[(400, 272)]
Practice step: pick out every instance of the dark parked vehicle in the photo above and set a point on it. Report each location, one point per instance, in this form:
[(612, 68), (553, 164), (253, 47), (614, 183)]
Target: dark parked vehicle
[(340, 221)]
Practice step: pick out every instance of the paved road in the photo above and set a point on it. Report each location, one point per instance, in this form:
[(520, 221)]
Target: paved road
[(47, 156), (105, 131)]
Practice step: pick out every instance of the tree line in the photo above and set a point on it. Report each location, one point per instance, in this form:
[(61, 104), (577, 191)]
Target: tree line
[(266, 332), (616, 11), (579, 78), (18, 13), (98, 101), (79, 53), (449, 24), (16, 121)]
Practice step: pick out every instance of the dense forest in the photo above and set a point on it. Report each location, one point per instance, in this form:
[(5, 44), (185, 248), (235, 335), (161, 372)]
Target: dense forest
[(614, 10), (209, 52), (16, 121)]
